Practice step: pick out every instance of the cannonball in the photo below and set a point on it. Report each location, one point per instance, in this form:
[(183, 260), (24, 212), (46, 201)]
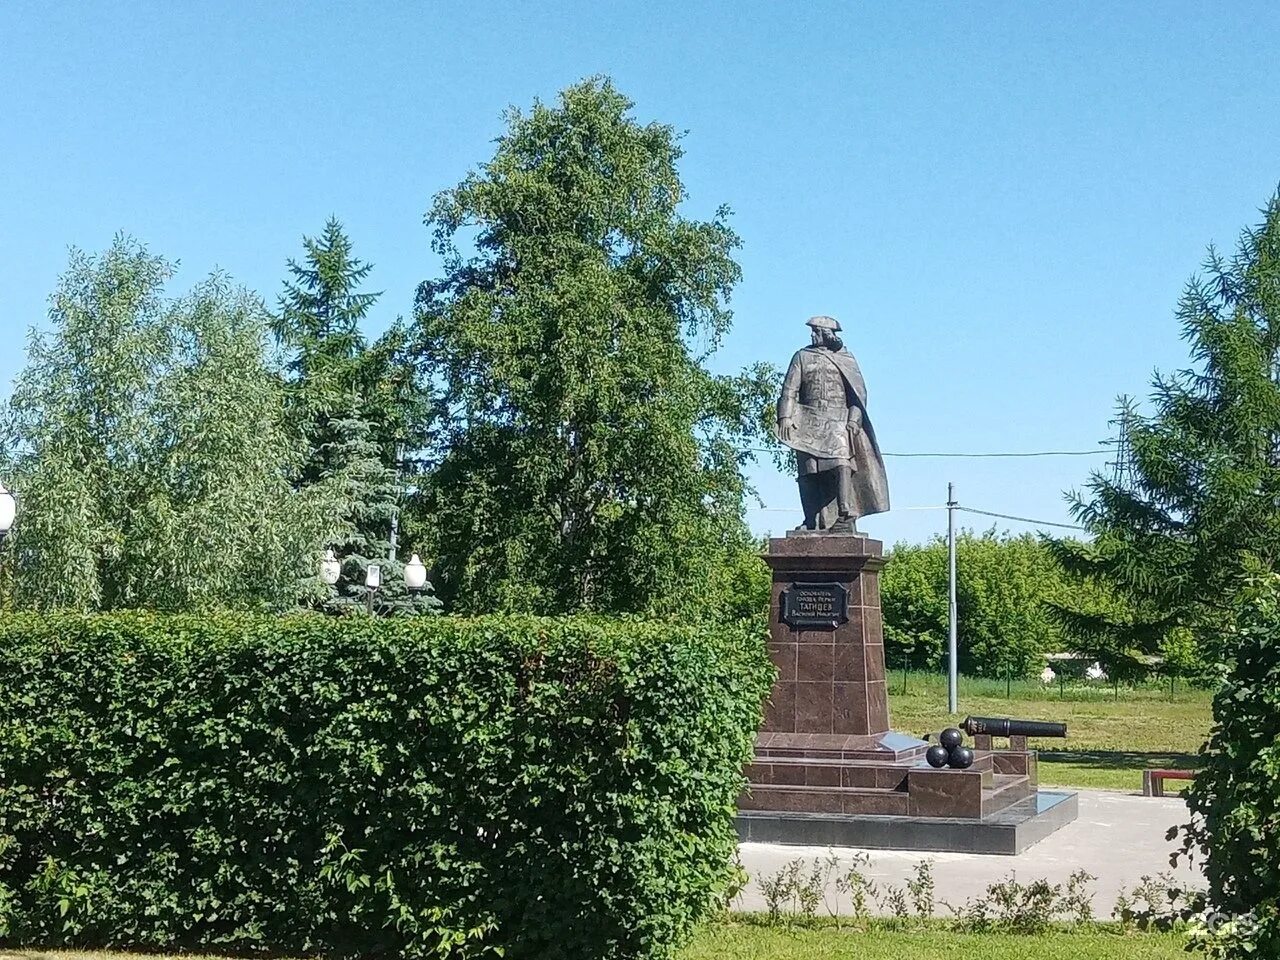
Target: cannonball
[(951, 738), (961, 758), (938, 756)]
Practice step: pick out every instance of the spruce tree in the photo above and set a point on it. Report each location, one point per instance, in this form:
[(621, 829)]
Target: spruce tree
[(346, 399), (1199, 513), (318, 325), (371, 490)]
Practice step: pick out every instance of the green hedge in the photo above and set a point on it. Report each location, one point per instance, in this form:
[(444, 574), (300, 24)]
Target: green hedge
[(535, 787), (1234, 828)]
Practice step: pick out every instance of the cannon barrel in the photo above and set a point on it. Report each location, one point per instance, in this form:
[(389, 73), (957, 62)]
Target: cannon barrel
[(1007, 727)]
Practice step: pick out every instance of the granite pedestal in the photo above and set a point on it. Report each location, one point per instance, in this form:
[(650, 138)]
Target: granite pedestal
[(826, 757)]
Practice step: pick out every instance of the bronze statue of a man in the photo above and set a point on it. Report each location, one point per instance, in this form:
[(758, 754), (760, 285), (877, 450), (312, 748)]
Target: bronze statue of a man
[(822, 416)]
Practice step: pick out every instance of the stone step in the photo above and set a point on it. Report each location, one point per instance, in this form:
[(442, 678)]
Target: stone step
[(786, 798), (880, 789), (807, 772), (891, 748), (822, 772), (1006, 791)]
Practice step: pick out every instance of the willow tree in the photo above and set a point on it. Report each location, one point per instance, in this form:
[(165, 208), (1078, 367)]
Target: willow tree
[(586, 458), (146, 439)]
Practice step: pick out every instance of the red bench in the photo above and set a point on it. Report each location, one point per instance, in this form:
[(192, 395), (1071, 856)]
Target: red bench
[(1153, 780)]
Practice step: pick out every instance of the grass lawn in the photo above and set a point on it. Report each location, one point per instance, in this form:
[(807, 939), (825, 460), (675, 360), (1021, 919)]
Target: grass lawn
[(757, 943), (749, 942), (1109, 741)]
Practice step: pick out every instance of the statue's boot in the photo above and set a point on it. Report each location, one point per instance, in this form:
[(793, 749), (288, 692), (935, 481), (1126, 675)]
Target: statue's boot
[(846, 522), (844, 493), (810, 499)]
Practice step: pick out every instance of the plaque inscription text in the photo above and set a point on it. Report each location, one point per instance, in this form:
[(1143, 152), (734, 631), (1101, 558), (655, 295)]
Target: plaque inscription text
[(815, 605)]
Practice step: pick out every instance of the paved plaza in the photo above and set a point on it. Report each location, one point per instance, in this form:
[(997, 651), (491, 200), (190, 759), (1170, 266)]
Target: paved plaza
[(1117, 838)]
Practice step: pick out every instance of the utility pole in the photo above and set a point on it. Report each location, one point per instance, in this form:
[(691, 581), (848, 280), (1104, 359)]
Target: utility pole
[(1122, 466), (953, 697), (394, 549)]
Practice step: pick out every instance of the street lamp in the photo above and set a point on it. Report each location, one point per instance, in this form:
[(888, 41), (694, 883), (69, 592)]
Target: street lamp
[(415, 574), (8, 511), (330, 572), (330, 568), (372, 583)]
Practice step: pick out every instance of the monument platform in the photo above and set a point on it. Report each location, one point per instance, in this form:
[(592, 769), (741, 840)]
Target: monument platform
[(828, 769), (1009, 831)]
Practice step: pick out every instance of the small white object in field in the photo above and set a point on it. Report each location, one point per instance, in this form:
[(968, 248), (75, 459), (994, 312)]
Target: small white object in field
[(1047, 675), (1096, 672)]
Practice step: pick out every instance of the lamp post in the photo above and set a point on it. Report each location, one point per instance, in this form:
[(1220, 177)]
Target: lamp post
[(8, 511), (330, 572), (372, 583)]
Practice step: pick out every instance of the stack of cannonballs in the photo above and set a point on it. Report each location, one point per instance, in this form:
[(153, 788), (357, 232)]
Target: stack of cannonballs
[(950, 751)]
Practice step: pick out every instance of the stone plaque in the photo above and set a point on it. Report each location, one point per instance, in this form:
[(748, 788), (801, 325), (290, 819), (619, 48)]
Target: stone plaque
[(815, 605)]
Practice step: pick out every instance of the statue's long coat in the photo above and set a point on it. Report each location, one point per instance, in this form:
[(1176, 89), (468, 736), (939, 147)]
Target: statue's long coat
[(870, 484)]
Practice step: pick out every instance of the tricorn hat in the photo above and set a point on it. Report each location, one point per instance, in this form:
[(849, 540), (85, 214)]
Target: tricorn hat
[(824, 323)]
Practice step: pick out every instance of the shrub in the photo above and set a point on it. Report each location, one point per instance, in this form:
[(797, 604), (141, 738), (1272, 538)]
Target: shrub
[(1159, 903), (1235, 798), (1009, 906), (539, 787)]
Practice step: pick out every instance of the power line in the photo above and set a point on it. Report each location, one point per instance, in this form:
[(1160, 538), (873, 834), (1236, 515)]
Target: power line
[(952, 454), (939, 506), (1006, 516), (1032, 453), (943, 506)]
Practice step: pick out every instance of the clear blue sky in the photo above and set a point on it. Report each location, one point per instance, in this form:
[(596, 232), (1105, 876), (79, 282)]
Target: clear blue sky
[(1001, 202)]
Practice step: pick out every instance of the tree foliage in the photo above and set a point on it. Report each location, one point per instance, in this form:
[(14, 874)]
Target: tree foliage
[(586, 457), (1201, 514), (1235, 797), (1010, 592), (1003, 584), (353, 407), (145, 437)]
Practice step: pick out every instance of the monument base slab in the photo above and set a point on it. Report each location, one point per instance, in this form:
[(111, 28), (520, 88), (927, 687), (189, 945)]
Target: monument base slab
[(1006, 832)]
